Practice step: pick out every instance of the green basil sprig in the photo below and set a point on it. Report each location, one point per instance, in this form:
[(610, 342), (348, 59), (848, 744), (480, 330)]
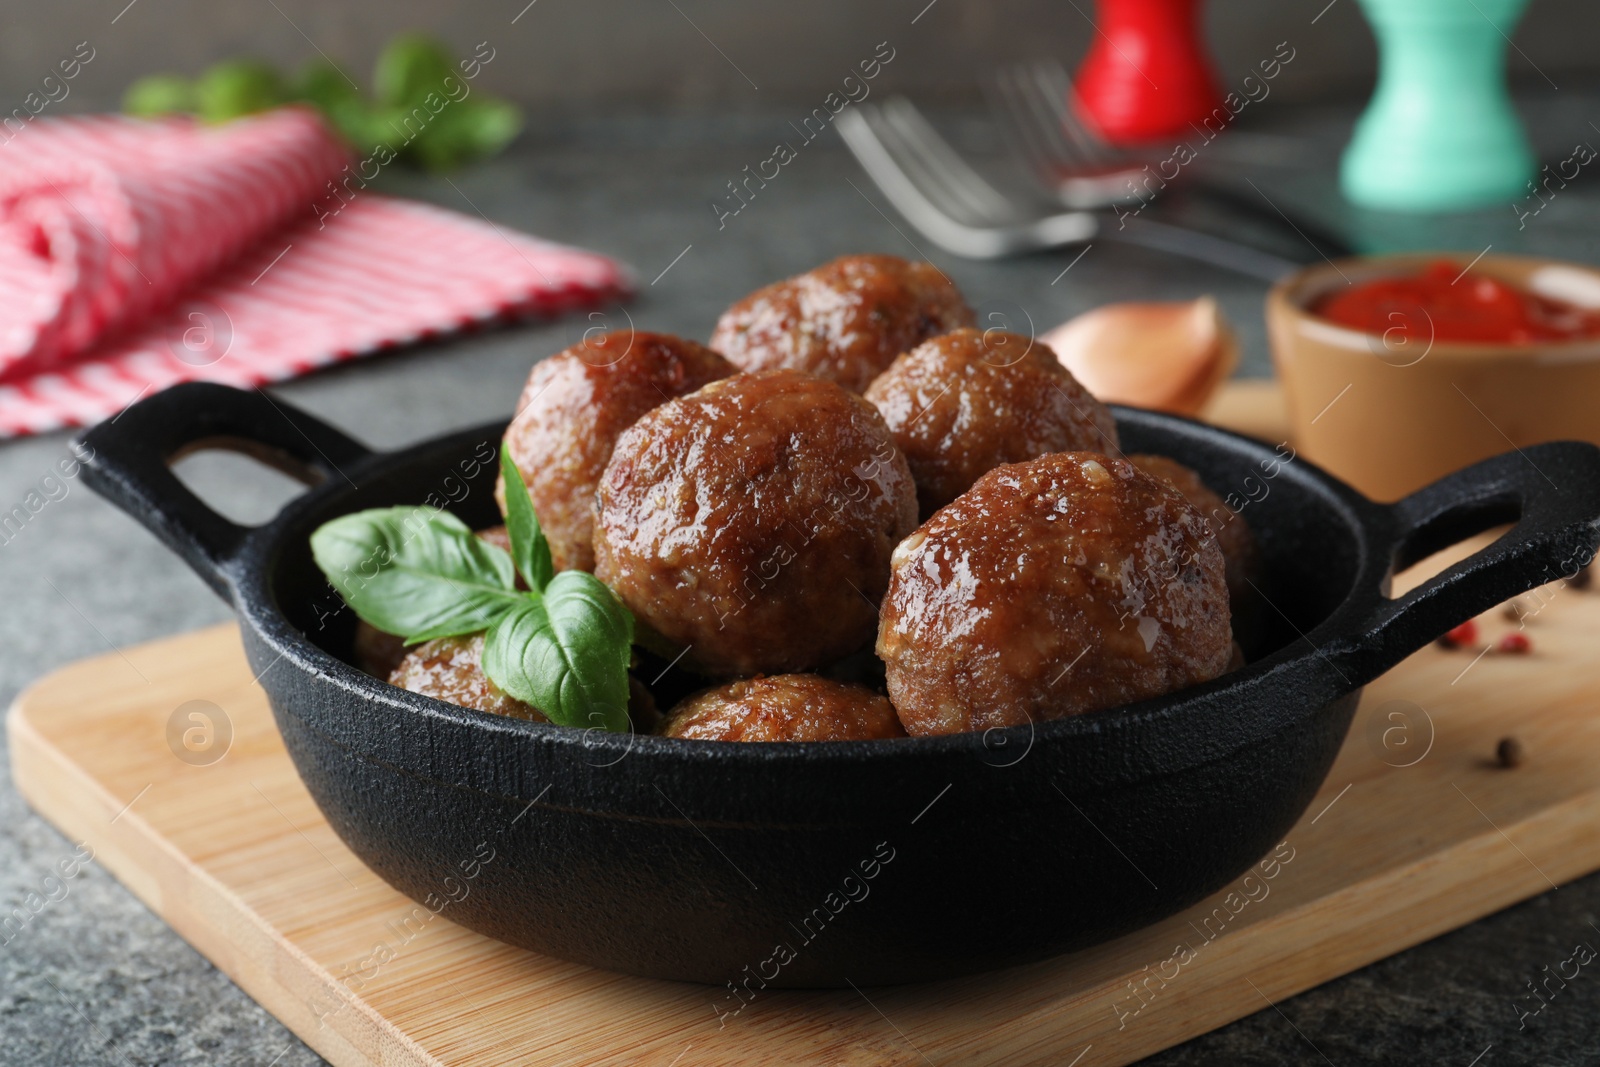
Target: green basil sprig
[(414, 77), (415, 572), (562, 646)]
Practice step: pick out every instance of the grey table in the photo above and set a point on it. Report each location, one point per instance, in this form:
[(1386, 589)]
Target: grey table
[(97, 979)]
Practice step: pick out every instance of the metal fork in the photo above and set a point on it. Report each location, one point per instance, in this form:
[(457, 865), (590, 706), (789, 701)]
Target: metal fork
[(958, 209), (1073, 162), (1069, 159)]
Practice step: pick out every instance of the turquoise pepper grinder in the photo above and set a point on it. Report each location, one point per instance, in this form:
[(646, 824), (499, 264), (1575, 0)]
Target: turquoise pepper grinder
[(1440, 133)]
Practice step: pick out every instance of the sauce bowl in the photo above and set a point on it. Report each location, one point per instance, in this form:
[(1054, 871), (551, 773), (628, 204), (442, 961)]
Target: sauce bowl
[(1390, 413)]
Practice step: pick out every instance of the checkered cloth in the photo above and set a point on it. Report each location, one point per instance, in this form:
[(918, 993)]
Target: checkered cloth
[(135, 255)]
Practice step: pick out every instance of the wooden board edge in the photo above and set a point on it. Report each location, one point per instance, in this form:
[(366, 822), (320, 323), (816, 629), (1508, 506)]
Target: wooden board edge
[(1408, 898), (1254, 407), (219, 925)]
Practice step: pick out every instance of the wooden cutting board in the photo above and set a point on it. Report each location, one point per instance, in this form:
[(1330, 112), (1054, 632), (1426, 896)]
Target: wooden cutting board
[(1417, 831)]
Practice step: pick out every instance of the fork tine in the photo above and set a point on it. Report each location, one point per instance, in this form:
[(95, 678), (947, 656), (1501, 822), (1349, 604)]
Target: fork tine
[(855, 126), (1045, 111), (908, 168), (863, 135), (1069, 160), (926, 177), (867, 136), (1058, 95), (918, 135), (1019, 127)]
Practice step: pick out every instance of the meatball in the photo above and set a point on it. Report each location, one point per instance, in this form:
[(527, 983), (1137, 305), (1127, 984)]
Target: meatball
[(1232, 532), (379, 653), (751, 523), (844, 321), (962, 404), (499, 537), (1065, 584), (643, 715), (376, 652), (573, 408), (785, 707), (449, 669)]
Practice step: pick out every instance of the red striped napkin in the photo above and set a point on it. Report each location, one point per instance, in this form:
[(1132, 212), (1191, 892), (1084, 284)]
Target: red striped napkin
[(135, 255)]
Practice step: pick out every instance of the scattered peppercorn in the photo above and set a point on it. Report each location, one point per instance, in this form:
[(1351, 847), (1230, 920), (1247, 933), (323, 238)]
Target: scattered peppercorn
[(1509, 752), (1514, 609), (1515, 643), (1583, 579), (1465, 634)]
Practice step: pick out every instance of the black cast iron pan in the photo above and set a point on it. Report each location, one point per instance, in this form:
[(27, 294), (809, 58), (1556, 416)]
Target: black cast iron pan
[(822, 864)]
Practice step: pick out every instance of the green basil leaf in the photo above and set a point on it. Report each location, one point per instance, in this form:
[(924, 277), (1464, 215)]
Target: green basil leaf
[(415, 571), (466, 130), (238, 87), (319, 82), (530, 550), (566, 652), (159, 94), (411, 66)]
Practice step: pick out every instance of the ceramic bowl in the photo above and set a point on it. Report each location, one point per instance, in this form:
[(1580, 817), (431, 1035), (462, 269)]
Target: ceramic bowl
[(1389, 414)]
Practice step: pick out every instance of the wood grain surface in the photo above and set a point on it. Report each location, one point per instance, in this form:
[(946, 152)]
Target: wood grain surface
[(1418, 830)]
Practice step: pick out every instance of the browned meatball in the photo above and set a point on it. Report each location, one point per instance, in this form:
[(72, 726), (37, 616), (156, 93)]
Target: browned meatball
[(962, 404), (449, 669), (499, 537), (1232, 532), (573, 408), (1065, 584), (643, 714), (379, 653), (752, 522), (785, 707), (376, 652), (844, 321)]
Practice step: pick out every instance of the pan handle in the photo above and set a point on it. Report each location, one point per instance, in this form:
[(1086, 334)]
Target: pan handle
[(1552, 494), (128, 460)]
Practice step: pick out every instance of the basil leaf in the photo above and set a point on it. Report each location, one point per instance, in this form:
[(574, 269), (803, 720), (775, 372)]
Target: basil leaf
[(238, 87), (415, 571), (159, 94), (468, 129), (411, 66), (320, 83), (530, 550), (566, 653)]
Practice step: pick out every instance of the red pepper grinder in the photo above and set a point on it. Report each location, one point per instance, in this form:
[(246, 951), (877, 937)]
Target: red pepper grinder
[(1148, 74)]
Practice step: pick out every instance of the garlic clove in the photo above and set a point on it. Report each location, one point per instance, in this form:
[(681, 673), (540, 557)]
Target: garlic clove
[(1169, 356)]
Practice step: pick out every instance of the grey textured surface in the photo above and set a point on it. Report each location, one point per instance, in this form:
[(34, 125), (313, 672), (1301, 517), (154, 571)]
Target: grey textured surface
[(95, 978), (598, 55)]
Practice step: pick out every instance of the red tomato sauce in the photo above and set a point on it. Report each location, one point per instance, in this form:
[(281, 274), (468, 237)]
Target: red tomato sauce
[(1443, 303)]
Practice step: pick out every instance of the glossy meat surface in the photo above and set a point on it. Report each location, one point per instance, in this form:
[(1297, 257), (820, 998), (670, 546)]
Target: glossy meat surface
[(1233, 534), (752, 522), (449, 669), (962, 404), (572, 410), (379, 653), (376, 652), (846, 320), (784, 707), (1065, 584)]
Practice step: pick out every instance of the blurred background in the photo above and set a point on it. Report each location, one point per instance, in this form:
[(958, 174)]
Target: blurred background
[(564, 57)]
